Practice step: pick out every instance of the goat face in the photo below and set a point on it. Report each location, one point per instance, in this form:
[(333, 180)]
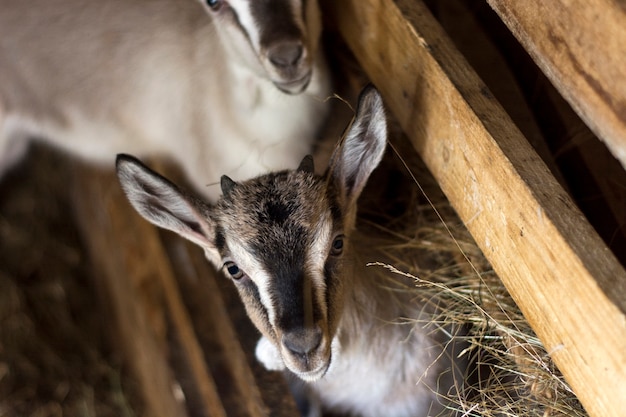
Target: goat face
[(278, 39), (282, 237)]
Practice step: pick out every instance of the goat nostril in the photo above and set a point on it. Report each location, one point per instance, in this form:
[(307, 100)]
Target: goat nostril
[(285, 54), (303, 341)]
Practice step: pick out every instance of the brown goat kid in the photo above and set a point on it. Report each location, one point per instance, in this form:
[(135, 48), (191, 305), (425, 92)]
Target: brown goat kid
[(288, 242)]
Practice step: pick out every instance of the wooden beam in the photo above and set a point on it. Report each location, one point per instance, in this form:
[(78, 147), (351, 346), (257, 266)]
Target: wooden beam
[(594, 165), (138, 285), (579, 45), (456, 18), (568, 284)]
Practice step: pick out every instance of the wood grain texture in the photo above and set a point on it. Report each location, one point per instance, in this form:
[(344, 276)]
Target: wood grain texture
[(138, 284), (456, 18), (568, 284), (579, 45)]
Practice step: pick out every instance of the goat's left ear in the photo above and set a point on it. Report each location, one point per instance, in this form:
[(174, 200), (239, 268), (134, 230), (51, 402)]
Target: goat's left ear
[(363, 146)]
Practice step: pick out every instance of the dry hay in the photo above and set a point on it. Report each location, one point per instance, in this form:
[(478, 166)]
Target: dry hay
[(511, 372)]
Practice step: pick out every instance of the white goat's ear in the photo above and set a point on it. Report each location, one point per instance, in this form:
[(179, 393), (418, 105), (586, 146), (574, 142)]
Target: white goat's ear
[(162, 203), (363, 146)]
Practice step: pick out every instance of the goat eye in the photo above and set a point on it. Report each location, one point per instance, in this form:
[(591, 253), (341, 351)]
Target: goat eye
[(234, 271), (336, 248), (214, 4)]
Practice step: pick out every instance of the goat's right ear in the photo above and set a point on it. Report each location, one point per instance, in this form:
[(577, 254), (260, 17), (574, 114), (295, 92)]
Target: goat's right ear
[(162, 203)]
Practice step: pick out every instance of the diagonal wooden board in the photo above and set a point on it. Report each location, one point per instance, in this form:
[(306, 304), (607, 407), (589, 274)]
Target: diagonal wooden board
[(136, 281), (579, 45), (568, 284)]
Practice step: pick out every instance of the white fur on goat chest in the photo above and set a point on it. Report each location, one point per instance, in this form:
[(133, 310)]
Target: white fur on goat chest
[(367, 387)]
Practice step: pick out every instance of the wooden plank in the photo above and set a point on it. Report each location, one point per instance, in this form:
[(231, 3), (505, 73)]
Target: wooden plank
[(593, 173), (579, 45), (568, 284), (138, 281), (456, 18), (588, 165)]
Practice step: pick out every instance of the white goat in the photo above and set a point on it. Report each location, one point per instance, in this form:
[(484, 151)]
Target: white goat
[(288, 241), (99, 77)]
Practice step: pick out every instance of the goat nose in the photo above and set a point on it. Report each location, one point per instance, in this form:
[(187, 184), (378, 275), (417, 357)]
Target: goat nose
[(285, 54), (303, 341)]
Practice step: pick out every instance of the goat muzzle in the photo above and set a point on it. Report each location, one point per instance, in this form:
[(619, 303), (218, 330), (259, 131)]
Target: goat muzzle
[(306, 352)]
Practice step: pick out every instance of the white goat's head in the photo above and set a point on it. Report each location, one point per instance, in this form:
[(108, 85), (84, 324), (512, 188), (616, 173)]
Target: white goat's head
[(278, 39), (283, 237)]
